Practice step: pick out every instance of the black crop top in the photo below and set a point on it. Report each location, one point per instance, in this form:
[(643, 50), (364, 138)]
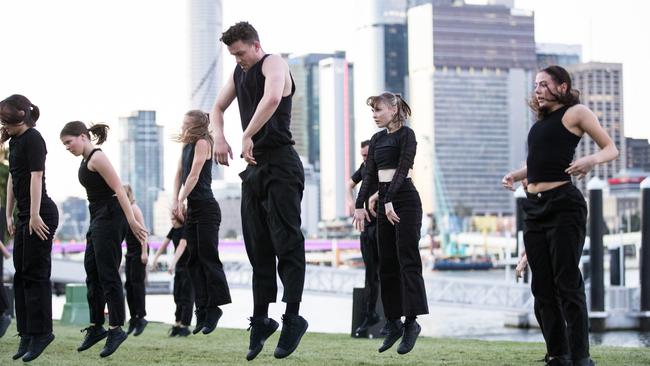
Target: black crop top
[(388, 151), (202, 189), (96, 187), (551, 148)]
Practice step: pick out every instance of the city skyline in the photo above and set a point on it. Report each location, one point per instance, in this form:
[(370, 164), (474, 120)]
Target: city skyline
[(96, 72)]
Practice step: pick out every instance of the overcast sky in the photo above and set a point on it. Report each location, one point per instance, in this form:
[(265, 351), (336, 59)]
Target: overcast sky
[(97, 60)]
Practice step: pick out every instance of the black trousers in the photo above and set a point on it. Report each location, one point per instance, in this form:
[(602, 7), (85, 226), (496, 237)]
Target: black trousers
[(183, 295), (270, 209), (370, 255), (4, 301), (554, 236), (135, 273), (32, 286), (400, 265), (102, 259), (206, 269)]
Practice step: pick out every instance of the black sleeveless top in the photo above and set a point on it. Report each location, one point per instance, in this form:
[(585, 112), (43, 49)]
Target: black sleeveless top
[(202, 188), (388, 151), (551, 148), (96, 187), (249, 87)]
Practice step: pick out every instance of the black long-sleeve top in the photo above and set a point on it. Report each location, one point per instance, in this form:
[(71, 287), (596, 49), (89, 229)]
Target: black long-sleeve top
[(388, 151)]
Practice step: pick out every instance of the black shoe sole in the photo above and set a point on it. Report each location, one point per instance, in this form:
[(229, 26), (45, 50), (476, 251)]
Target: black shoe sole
[(252, 353), (207, 329), (286, 353), (139, 329), (389, 342), (104, 354), (31, 356), (197, 328), (402, 350), (20, 353), (94, 342)]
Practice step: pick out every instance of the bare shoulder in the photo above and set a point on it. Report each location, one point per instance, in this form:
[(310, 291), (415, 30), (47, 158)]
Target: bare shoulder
[(98, 158), (578, 112), (274, 63)]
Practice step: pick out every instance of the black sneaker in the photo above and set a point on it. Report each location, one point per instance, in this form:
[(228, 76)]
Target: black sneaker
[(131, 326), (115, 337), (411, 332), (200, 320), (5, 321), (173, 331), (37, 346), (371, 319), (261, 329), (94, 334), (212, 317), (140, 324), (293, 328), (22, 346), (183, 332), (395, 330)]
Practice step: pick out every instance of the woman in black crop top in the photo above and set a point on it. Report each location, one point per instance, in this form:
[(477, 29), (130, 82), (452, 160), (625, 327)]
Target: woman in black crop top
[(556, 213), (135, 268), (399, 219), (192, 183), (33, 231), (110, 211)]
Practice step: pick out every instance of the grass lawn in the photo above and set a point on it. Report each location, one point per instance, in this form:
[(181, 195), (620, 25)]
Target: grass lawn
[(229, 346)]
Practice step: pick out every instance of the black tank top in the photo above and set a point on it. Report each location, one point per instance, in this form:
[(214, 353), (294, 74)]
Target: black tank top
[(96, 187), (551, 148), (202, 188), (249, 86)]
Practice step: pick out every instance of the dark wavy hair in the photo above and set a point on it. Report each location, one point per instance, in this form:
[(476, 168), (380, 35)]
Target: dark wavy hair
[(242, 31), (78, 128), (559, 76), (14, 110)]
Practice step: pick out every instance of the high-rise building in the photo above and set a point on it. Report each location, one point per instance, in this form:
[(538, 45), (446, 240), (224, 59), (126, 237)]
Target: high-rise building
[(305, 110), (470, 70), (310, 204), (638, 154), (380, 57), (205, 27), (601, 89), (205, 52), (141, 159), (336, 135), (558, 54)]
